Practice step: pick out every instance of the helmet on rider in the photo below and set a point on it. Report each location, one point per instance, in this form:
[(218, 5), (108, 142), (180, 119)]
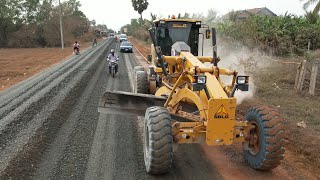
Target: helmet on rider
[(112, 51)]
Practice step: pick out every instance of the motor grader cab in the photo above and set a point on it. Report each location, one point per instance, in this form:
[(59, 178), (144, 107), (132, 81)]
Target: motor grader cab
[(167, 32), (184, 101)]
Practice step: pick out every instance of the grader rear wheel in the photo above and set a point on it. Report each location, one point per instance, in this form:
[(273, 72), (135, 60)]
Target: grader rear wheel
[(264, 148), (138, 68), (158, 140), (141, 82)]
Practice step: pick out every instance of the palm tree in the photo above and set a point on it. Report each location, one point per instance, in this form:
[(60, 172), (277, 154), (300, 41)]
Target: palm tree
[(309, 3)]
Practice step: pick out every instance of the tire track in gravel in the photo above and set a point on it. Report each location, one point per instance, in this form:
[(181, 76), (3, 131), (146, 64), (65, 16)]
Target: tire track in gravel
[(22, 91), (76, 154), (24, 107), (76, 142), (57, 148), (113, 154), (45, 123)]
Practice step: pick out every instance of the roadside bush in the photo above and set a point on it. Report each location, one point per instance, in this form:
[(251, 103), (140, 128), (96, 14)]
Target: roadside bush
[(139, 31), (283, 35), (25, 37)]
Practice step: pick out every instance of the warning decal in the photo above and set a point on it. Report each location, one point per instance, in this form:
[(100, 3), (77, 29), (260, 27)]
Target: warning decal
[(221, 113)]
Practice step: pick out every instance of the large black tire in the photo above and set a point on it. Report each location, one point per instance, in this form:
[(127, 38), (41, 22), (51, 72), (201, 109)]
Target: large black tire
[(267, 148), (135, 69), (138, 68), (158, 140), (113, 73), (141, 82)]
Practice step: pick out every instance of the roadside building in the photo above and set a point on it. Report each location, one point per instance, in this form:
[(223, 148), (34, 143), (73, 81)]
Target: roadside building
[(244, 14)]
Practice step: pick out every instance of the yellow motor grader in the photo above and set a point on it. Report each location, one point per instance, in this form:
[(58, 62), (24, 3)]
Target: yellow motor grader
[(183, 100)]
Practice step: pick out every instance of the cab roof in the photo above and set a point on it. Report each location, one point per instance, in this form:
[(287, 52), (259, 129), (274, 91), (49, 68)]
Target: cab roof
[(178, 20)]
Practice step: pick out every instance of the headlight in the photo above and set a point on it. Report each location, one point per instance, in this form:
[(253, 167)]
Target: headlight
[(242, 79), (199, 82), (162, 22), (198, 23), (201, 79)]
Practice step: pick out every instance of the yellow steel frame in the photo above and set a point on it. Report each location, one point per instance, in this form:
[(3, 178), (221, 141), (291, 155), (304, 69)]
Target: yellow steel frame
[(216, 124)]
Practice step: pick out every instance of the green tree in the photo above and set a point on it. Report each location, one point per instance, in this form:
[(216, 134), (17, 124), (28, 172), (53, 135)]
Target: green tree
[(186, 16), (10, 19), (197, 16), (102, 27), (30, 9), (153, 16), (309, 3), (179, 16), (211, 17), (311, 17), (93, 22), (140, 6)]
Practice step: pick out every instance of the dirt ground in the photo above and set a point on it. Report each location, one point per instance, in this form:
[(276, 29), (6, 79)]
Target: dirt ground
[(17, 64), (141, 46), (274, 87)]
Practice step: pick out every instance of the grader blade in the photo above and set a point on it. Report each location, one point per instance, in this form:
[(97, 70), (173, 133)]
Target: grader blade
[(120, 102)]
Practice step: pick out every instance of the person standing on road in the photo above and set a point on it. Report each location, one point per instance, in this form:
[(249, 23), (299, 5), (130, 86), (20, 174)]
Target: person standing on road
[(112, 57)]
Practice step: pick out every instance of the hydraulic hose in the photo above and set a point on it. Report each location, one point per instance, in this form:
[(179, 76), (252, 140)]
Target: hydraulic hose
[(158, 51)]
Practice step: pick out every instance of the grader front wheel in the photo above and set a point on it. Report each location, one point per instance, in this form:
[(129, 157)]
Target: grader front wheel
[(264, 148), (158, 140)]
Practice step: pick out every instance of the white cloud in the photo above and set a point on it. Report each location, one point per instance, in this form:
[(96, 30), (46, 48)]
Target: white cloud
[(116, 13)]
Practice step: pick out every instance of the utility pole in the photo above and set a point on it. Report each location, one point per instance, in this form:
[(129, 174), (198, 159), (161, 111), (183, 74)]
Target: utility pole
[(61, 28)]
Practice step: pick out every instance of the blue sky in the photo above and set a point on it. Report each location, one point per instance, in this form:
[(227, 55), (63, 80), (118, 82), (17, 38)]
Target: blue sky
[(116, 13)]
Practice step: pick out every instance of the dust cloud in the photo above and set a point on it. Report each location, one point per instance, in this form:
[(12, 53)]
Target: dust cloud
[(234, 56)]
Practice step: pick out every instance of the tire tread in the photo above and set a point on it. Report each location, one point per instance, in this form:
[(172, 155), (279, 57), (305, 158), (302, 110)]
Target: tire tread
[(160, 137), (274, 138)]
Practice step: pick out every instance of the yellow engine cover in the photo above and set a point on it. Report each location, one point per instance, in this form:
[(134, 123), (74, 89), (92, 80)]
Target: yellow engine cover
[(221, 121)]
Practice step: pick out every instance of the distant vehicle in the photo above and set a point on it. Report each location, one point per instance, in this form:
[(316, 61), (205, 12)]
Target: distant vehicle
[(126, 47), (123, 38)]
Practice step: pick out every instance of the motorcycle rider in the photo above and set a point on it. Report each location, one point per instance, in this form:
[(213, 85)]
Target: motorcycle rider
[(113, 57), (94, 42), (76, 46)]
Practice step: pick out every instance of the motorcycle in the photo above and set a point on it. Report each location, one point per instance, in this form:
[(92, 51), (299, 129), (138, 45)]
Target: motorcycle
[(76, 51), (94, 43), (112, 67)]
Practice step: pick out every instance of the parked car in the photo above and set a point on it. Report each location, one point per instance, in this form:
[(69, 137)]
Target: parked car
[(126, 47)]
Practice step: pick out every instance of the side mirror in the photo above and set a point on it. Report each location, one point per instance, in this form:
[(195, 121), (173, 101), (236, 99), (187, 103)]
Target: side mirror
[(208, 34), (149, 58), (214, 37)]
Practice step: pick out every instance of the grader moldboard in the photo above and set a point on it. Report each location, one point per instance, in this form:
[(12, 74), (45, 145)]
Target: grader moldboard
[(184, 101)]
